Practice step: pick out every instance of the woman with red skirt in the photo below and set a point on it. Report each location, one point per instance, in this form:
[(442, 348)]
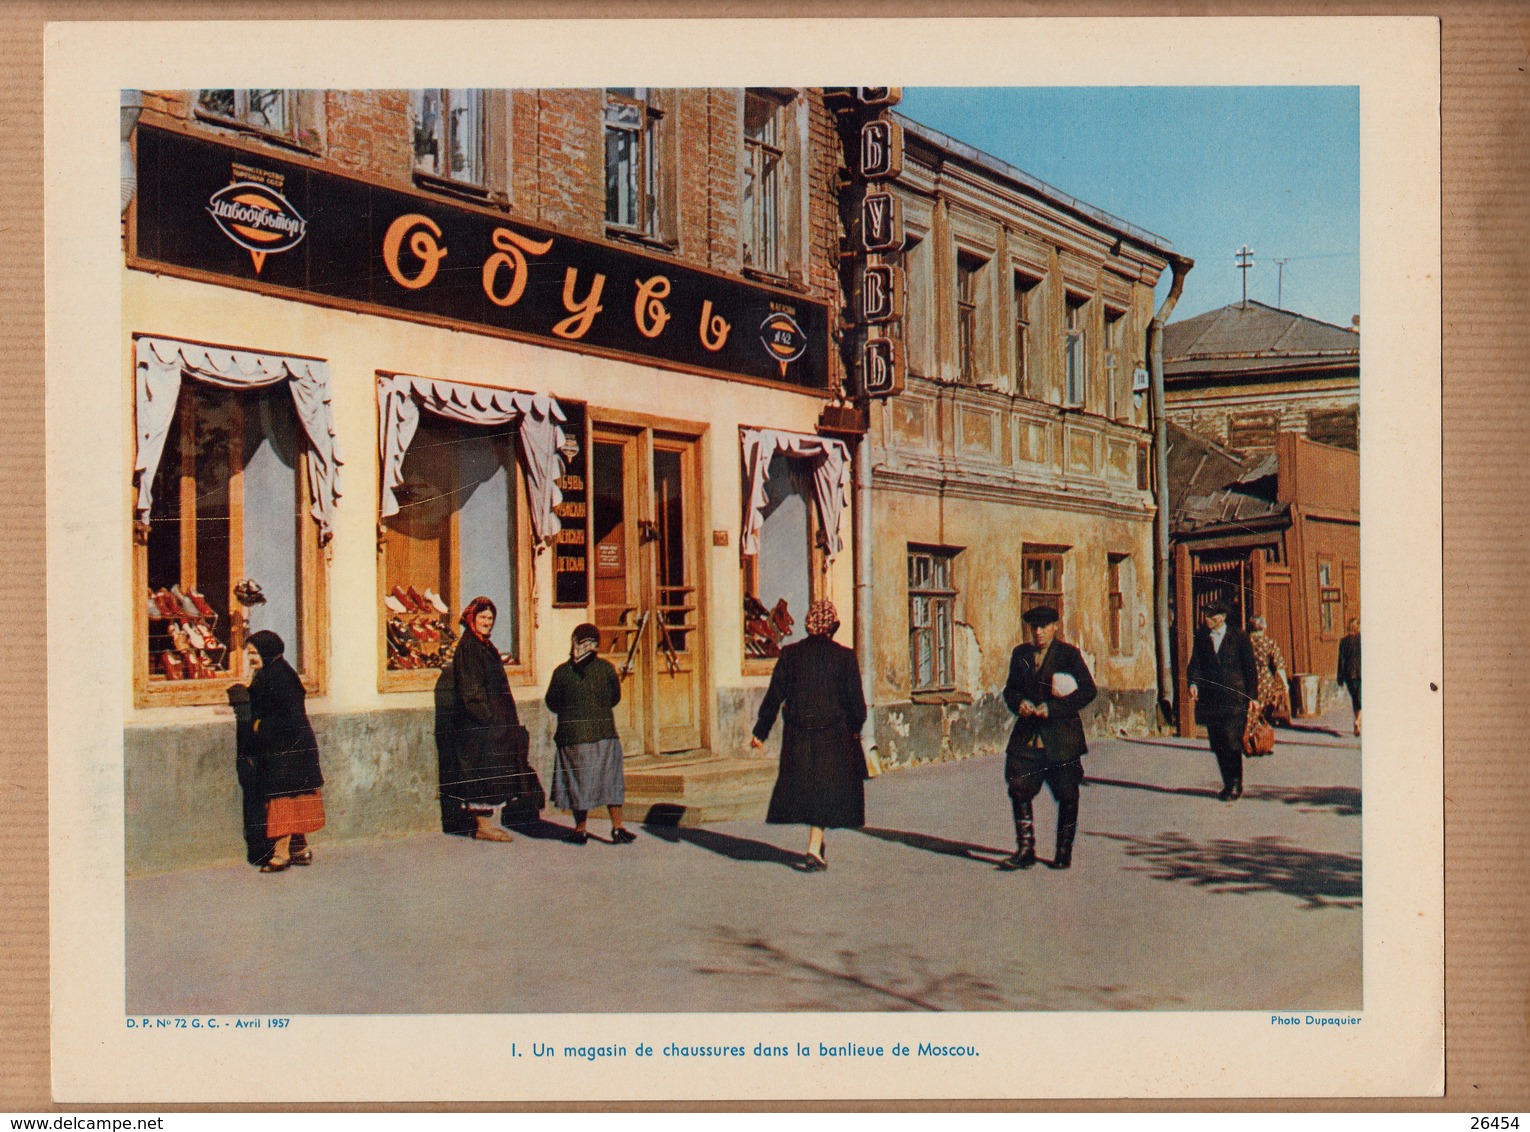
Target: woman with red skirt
[(286, 754)]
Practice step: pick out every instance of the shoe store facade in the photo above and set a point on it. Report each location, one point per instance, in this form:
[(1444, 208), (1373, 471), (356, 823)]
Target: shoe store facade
[(388, 351)]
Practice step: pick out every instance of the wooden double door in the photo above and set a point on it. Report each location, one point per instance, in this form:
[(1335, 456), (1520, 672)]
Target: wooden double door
[(646, 521)]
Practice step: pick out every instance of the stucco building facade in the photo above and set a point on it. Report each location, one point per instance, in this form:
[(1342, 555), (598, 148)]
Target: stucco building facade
[(1012, 470)]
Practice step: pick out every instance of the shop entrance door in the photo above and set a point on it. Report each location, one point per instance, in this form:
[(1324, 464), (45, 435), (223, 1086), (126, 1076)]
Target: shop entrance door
[(645, 521)]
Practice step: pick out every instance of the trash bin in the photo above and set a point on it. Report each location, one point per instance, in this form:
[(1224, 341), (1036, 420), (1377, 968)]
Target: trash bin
[(1310, 693)]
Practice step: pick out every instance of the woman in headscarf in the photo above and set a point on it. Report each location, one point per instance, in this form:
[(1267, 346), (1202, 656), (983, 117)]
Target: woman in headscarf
[(1274, 692), (816, 686), (285, 752), (484, 725), (588, 772)]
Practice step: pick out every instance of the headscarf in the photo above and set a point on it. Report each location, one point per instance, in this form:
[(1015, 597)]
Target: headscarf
[(586, 641), (474, 608), (822, 619), (268, 644)]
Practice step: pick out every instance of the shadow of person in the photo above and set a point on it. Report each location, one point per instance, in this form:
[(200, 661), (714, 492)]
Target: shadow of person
[(455, 818), (726, 845), (929, 843), (1185, 791), (257, 846)]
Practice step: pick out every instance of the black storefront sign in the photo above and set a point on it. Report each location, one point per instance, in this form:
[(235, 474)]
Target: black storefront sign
[(571, 558), (214, 209)]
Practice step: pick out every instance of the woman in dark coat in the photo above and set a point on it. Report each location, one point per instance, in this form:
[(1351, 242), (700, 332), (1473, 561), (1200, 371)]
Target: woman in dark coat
[(286, 754), (588, 773), (486, 726), (816, 686)]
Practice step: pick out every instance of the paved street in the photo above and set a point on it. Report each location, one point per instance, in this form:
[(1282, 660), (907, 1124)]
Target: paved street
[(1175, 902)]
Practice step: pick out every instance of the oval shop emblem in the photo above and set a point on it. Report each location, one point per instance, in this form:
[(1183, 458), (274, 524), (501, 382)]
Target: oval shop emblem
[(783, 338), (257, 218)]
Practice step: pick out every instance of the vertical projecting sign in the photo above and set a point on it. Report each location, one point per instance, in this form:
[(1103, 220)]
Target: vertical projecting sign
[(881, 223), (571, 563), (882, 367), (879, 96), (881, 293), (881, 150)]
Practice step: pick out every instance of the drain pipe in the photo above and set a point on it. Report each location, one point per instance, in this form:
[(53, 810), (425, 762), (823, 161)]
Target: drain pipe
[(864, 639), (1180, 266)]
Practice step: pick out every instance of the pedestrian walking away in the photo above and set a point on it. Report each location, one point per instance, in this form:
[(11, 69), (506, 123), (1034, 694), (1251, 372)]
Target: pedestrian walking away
[(285, 754), (1274, 684), (588, 772), (816, 688), (1349, 665), (1224, 685), (490, 747), (1049, 684)]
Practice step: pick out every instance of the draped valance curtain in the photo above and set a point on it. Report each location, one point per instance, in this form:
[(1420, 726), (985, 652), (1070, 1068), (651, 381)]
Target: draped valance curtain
[(163, 363), (829, 460), (401, 398)]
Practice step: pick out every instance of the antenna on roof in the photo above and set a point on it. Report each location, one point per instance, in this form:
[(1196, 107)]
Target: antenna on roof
[(1280, 277), (1245, 258)]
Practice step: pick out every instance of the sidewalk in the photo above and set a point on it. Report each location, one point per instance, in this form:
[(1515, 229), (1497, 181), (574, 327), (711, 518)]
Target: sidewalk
[(1175, 902)]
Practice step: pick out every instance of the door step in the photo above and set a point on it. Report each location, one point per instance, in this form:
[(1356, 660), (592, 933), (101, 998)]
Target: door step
[(696, 787)]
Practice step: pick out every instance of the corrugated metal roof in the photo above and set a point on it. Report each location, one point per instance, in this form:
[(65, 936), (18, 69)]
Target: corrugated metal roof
[(1020, 177)]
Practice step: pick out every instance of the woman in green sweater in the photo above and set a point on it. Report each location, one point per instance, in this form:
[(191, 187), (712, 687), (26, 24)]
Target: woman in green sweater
[(588, 770)]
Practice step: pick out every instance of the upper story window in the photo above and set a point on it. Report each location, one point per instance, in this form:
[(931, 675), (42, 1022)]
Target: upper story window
[(1041, 577), (968, 270), (283, 115), (766, 189), (639, 162), (1075, 354), (451, 135), (1025, 291), (1116, 394)]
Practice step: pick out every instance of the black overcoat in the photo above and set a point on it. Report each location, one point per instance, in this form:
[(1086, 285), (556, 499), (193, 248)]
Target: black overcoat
[(1061, 732), (816, 686), (487, 734), (1349, 659), (1225, 679), (282, 743)]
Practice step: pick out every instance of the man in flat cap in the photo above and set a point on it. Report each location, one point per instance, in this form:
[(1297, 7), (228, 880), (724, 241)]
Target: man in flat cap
[(1224, 680), (1049, 684)]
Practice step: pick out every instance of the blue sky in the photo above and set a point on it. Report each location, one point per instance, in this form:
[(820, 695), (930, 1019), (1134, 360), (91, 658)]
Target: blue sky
[(1207, 168)]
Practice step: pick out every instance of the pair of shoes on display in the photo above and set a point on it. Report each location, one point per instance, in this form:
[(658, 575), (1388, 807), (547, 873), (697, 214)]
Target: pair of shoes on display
[(622, 837), (412, 600), (576, 837)]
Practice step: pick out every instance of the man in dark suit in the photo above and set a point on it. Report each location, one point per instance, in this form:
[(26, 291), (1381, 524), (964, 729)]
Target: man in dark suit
[(1223, 681), (1049, 684), (1349, 665)]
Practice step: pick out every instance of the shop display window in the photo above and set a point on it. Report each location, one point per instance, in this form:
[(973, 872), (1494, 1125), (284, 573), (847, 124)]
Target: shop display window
[(227, 545), (458, 535), (779, 581)]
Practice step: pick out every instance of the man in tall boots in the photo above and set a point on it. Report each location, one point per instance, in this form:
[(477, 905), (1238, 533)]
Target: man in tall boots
[(1049, 684), (1224, 680)]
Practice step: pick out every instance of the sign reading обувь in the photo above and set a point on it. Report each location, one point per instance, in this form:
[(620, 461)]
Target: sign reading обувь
[(209, 209)]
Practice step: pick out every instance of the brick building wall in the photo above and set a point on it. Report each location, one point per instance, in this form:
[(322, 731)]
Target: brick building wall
[(1240, 420)]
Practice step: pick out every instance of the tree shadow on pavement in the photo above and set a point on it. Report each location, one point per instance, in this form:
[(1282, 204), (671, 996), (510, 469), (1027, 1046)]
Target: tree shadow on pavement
[(1265, 864), (1343, 800), (723, 844), (818, 975), (1186, 791), (932, 844)]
